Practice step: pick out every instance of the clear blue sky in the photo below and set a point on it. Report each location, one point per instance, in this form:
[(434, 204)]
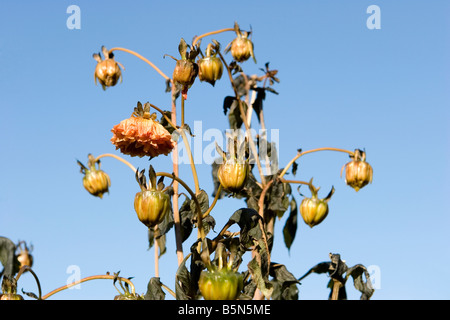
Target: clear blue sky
[(342, 85)]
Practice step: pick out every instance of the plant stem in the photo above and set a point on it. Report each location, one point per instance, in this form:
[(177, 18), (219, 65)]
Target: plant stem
[(191, 160), (107, 276), (294, 181), (219, 190), (164, 115), (244, 120), (176, 212), (117, 158), (194, 197), (25, 268), (301, 153), (182, 111), (336, 287), (142, 58), (209, 34), (156, 253), (169, 290)]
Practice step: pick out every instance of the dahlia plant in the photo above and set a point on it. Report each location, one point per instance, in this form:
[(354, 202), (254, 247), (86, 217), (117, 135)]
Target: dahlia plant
[(213, 268)]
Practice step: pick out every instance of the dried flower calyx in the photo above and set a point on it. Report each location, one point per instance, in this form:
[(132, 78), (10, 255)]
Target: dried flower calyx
[(358, 172), (210, 66), (107, 71), (234, 170), (241, 47), (315, 210), (151, 204), (186, 70), (142, 135), (95, 181)]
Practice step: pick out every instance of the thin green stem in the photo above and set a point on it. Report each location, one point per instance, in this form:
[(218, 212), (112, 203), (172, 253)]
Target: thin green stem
[(107, 276)]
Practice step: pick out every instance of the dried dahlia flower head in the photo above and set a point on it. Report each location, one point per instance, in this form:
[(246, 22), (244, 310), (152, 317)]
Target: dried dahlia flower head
[(141, 135)]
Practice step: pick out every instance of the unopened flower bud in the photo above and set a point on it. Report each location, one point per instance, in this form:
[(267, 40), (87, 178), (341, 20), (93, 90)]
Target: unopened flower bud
[(210, 67), (151, 204), (314, 210), (358, 172), (95, 181), (241, 47), (107, 71)]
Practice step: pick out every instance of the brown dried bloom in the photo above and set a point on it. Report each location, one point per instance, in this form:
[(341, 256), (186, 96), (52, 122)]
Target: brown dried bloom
[(141, 135), (107, 71)]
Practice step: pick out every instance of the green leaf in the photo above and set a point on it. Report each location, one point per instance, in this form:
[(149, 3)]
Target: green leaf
[(290, 227), (154, 290)]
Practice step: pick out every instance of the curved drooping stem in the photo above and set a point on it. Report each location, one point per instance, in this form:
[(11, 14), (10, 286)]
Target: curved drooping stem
[(28, 268), (117, 158), (301, 153), (106, 276), (207, 212), (209, 34), (142, 58)]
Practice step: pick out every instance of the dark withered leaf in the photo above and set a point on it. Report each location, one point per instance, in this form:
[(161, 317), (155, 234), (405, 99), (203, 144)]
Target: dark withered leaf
[(358, 272), (290, 227), (183, 281), (8, 258), (163, 121), (154, 290), (259, 278), (215, 168), (271, 90), (234, 113), (30, 294), (187, 217), (258, 103), (320, 268), (284, 283), (294, 168), (203, 200), (248, 221), (227, 102)]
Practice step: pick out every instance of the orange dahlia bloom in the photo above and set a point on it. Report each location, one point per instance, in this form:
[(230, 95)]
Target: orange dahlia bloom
[(141, 135)]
